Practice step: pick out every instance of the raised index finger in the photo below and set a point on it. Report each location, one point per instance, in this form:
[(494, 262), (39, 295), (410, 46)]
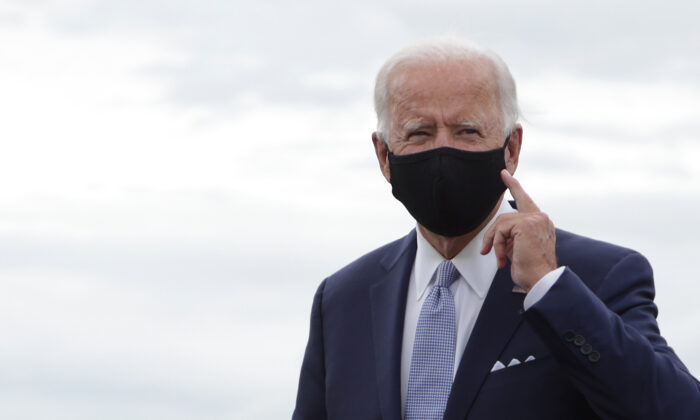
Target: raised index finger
[(522, 201)]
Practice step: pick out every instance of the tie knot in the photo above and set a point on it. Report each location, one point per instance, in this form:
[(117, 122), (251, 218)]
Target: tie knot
[(446, 274)]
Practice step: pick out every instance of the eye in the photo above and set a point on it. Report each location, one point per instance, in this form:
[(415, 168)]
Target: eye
[(418, 135), (468, 131)]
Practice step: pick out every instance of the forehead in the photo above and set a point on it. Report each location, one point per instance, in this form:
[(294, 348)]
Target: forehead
[(455, 87)]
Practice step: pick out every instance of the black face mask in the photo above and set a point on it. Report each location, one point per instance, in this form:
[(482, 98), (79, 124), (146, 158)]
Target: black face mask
[(448, 191)]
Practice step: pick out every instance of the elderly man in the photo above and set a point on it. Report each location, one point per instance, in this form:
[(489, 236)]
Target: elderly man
[(483, 311)]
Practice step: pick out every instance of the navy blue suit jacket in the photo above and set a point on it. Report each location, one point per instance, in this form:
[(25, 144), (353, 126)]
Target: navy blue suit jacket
[(594, 335)]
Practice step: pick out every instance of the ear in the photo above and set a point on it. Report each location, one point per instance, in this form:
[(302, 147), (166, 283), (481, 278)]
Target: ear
[(382, 151), (512, 153)]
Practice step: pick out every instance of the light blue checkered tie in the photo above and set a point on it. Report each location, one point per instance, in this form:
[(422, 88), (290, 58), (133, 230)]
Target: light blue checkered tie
[(432, 363)]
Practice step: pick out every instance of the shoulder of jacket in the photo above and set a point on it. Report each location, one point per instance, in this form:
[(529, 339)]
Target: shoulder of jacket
[(590, 259)]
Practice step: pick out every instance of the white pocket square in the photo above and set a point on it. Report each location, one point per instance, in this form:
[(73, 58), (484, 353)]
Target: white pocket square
[(513, 362), (497, 366)]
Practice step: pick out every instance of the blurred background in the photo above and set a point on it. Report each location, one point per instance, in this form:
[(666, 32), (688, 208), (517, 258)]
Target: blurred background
[(177, 177)]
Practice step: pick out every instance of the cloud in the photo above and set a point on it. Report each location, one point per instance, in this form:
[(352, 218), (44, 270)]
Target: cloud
[(230, 54)]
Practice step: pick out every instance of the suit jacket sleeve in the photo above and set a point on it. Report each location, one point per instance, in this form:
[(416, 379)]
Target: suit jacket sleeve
[(627, 370), (311, 393)]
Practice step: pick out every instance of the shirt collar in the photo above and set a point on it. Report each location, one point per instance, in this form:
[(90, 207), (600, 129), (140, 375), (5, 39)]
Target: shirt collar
[(476, 269)]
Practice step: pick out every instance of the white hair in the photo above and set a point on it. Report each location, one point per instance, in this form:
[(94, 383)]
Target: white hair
[(445, 49)]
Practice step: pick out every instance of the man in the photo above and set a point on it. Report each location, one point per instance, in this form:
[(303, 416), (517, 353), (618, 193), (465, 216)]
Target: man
[(483, 311)]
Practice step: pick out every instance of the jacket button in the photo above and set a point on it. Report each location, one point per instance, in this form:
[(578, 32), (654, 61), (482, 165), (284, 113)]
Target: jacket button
[(594, 356), (569, 336), (586, 349), (579, 340)]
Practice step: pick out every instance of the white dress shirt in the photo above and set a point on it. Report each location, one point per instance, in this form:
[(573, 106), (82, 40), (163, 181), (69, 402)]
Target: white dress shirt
[(469, 291)]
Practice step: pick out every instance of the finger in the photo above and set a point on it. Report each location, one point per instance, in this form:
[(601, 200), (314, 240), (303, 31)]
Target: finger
[(488, 239), (505, 221), (522, 201), (500, 247), (499, 237), (509, 248)]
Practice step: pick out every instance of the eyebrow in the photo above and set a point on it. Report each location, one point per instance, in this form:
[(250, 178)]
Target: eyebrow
[(416, 125), (420, 124), (467, 124)]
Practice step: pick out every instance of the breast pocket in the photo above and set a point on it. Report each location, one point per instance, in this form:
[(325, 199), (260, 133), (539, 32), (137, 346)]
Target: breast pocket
[(520, 375), (533, 390)]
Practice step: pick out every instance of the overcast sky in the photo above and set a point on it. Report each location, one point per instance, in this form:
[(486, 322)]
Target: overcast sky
[(177, 178)]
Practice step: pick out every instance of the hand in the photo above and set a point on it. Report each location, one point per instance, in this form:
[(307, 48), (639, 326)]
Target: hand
[(527, 238)]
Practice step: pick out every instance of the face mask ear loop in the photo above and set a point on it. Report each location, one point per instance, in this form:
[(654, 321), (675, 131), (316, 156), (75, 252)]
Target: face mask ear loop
[(388, 151)]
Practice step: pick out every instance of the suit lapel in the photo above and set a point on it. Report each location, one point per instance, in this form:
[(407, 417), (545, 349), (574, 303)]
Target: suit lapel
[(498, 319), (388, 302)]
